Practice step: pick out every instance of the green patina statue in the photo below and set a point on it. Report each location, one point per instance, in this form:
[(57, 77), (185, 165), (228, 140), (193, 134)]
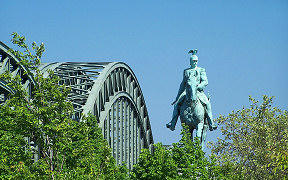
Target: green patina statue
[(191, 103)]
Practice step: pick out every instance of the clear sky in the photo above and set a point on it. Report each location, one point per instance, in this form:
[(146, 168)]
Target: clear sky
[(243, 45)]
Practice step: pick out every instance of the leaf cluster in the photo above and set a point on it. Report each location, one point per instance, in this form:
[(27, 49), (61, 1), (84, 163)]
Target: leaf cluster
[(255, 143)]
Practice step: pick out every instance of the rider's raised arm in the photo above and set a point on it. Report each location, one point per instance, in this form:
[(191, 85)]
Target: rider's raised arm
[(203, 80), (182, 86)]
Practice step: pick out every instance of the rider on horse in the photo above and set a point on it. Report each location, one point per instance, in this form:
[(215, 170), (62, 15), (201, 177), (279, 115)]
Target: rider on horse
[(199, 75)]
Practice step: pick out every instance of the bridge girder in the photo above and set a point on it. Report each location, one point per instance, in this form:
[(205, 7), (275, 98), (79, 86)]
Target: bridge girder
[(9, 63)]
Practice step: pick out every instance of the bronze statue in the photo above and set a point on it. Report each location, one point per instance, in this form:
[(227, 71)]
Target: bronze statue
[(191, 103)]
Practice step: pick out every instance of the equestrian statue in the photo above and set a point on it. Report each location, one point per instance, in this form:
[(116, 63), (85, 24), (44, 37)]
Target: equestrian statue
[(191, 103)]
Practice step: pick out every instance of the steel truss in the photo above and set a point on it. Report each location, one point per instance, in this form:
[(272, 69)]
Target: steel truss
[(109, 90), (8, 62)]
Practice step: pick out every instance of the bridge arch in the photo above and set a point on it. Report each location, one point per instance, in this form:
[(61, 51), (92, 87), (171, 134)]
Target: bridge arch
[(111, 92), (119, 103)]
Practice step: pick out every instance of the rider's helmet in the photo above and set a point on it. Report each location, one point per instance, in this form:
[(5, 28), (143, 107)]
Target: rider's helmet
[(193, 56)]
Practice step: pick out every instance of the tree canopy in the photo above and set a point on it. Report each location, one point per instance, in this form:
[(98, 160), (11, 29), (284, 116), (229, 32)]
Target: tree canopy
[(254, 143)]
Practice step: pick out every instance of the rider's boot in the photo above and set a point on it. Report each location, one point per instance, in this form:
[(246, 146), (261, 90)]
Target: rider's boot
[(171, 125), (212, 125)]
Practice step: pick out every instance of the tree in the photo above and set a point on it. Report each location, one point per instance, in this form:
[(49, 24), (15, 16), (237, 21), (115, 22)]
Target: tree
[(185, 160), (255, 143), (158, 165), (67, 149)]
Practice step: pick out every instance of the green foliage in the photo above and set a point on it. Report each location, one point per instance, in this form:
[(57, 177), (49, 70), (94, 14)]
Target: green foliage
[(67, 149), (89, 154), (159, 165), (255, 143), (185, 160)]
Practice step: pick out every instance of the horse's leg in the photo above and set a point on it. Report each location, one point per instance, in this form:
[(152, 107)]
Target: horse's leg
[(205, 129), (204, 134), (199, 131), (191, 132)]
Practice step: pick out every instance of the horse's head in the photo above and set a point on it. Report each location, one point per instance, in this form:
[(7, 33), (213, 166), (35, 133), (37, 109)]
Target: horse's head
[(191, 89)]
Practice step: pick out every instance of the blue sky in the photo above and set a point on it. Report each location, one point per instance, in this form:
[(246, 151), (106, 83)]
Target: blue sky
[(243, 45)]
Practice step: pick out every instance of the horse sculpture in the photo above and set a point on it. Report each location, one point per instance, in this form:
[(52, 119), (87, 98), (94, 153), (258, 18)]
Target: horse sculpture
[(191, 104), (192, 112)]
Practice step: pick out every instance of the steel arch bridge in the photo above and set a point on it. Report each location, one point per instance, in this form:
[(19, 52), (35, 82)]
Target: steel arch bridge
[(109, 90)]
